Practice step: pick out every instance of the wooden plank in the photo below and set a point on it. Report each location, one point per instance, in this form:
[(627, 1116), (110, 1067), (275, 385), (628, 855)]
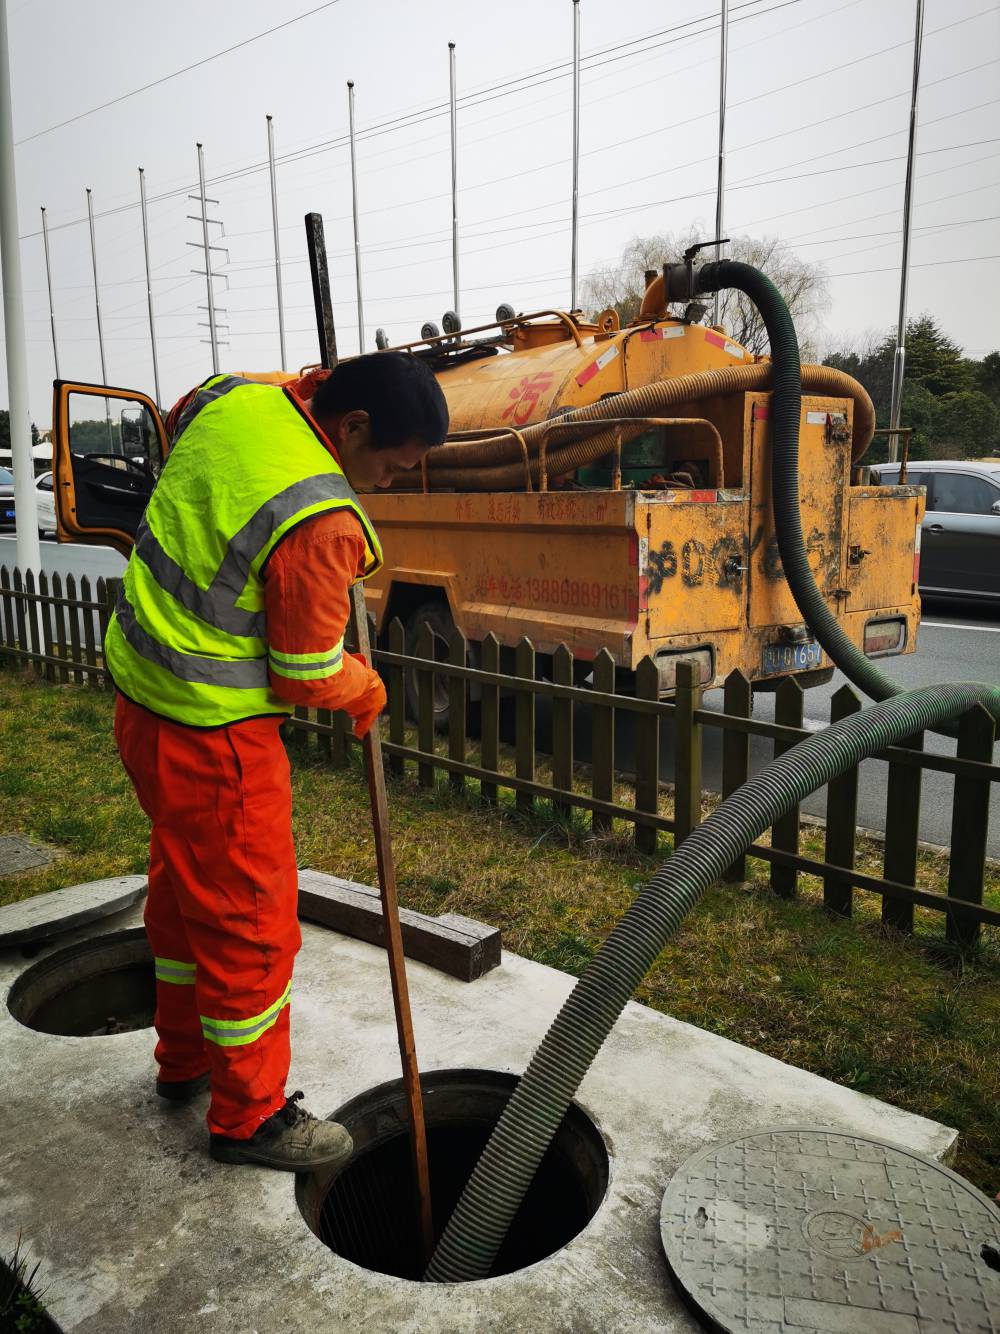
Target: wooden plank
[(324, 720), (788, 705), (687, 752), (902, 829), (73, 614), (562, 730), (20, 620), (396, 690), (45, 617), (841, 817), (489, 737), (89, 646), (647, 756), (524, 723), (456, 708), (107, 596), (738, 702), (425, 704), (37, 645), (8, 631), (60, 633), (970, 822), (453, 944), (602, 746)]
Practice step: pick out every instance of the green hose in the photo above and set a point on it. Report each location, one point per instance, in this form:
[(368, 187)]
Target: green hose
[(482, 1218)]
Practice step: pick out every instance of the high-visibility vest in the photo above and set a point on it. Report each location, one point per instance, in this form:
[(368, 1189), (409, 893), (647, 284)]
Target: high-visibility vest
[(188, 638)]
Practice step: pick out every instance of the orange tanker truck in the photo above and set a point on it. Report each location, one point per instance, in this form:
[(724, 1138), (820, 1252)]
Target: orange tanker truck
[(603, 487)]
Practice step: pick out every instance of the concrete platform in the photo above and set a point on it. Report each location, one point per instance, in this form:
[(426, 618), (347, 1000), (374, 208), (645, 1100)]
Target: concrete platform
[(136, 1229)]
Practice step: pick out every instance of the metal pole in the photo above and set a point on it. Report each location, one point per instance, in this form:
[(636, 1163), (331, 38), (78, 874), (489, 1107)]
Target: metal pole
[(149, 285), (720, 188), (213, 337), (27, 550), (97, 290), (899, 360), (48, 281), (277, 242), (357, 242), (576, 151), (454, 178), (100, 326)]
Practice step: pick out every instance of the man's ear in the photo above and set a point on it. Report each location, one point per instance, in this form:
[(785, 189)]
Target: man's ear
[(354, 427)]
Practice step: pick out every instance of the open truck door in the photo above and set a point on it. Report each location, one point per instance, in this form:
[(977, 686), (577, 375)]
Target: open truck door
[(108, 446)]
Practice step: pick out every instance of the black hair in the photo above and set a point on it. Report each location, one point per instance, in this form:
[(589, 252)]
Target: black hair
[(401, 396)]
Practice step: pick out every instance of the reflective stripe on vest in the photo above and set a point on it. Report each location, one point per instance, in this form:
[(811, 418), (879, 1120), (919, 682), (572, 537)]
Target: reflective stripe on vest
[(188, 638)]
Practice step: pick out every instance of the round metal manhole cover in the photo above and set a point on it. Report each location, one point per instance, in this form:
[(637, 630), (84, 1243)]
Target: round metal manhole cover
[(806, 1230)]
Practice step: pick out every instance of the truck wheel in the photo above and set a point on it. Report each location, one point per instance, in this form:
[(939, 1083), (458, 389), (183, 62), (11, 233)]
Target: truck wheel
[(439, 618)]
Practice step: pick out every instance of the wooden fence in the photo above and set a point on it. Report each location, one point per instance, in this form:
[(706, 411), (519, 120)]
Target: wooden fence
[(58, 629)]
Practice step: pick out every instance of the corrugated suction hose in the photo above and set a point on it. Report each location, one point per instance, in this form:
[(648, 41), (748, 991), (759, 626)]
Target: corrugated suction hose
[(484, 1213)]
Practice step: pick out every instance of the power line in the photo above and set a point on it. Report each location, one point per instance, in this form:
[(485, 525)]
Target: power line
[(932, 264), (70, 120)]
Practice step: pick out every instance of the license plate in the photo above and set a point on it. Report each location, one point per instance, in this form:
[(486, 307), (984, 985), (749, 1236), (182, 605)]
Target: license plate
[(9, 514), (791, 657)]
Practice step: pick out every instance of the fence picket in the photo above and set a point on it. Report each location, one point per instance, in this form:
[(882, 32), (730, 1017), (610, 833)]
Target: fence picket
[(43, 606), (73, 623), (562, 730), (489, 732), (970, 821), (687, 752), (902, 829), (647, 755), (89, 647), (107, 596), (20, 618), (737, 701), (396, 690), (324, 719), (788, 704), (456, 709), (602, 746), (524, 723), (425, 704), (60, 637), (35, 627), (8, 632), (841, 817)]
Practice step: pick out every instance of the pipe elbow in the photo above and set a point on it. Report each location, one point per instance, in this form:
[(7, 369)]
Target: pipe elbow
[(654, 301)]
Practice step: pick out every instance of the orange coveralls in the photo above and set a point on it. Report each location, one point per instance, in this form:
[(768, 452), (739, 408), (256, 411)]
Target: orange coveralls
[(221, 914)]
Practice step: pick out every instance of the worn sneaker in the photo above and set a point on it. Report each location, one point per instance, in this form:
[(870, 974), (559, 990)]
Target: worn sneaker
[(182, 1090), (292, 1140)]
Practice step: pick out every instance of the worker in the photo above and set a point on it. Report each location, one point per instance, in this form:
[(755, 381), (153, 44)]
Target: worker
[(232, 611)]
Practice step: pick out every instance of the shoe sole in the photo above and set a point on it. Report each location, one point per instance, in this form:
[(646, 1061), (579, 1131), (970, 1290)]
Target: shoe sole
[(183, 1090), (225, 1153)]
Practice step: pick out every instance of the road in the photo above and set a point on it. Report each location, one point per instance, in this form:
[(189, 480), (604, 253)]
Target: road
[(954, 644), (94, 562)]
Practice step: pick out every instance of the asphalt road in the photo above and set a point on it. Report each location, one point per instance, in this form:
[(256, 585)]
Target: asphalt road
[(94, 562)]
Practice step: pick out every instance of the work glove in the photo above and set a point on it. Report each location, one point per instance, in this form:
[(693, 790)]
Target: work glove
[(367, 706)]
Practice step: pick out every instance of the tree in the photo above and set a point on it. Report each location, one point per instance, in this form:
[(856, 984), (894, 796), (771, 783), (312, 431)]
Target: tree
[(988, 376), (802, 284)]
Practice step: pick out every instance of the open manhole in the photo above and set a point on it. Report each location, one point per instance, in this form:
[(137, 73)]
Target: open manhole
[(366, 1212), (92, 989)]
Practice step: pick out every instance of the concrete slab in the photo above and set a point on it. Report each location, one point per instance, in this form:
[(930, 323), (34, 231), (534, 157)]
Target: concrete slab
[(20, 854), (136, 1229), (53, 914)]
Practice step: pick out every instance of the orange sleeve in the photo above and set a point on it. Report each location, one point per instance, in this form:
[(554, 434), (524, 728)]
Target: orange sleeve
[(307, 582)]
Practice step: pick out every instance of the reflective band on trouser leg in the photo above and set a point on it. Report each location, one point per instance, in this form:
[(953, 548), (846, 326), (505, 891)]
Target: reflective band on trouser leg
[(307, 666), (174, 970), (241, 1032)]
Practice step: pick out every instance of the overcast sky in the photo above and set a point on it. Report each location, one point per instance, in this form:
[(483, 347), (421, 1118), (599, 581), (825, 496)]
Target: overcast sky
[(817, 122)]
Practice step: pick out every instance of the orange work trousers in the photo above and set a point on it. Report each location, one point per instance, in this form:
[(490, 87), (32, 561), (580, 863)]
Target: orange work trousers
[(221, 913)]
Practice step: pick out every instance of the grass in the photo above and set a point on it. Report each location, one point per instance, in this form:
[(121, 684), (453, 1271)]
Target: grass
[(21, 1310), (904, 1018)]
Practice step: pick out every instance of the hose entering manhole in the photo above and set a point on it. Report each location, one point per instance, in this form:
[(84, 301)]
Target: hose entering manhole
[(477, 1228)]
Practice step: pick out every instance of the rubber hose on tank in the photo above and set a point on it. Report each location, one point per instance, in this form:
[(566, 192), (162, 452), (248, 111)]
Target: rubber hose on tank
[(786, 409), (477, 1228)]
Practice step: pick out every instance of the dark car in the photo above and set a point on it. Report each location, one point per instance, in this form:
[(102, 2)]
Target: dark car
[(960, 550), (6, 498)]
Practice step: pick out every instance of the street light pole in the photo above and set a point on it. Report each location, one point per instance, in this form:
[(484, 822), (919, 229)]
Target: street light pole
[(454, 177), (48, 282), (149, 285), (720, 187), (899, 360), (209, 285), (576, 154), (357, 239), (28, 551), (277, 241)]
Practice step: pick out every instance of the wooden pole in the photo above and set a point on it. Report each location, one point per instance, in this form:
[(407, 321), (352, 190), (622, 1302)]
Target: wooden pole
[(372, 749)]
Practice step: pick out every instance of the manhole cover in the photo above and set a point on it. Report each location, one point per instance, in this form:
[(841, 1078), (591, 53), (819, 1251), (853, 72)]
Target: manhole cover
[(19, 854), (816, 1230), (60, 910)]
